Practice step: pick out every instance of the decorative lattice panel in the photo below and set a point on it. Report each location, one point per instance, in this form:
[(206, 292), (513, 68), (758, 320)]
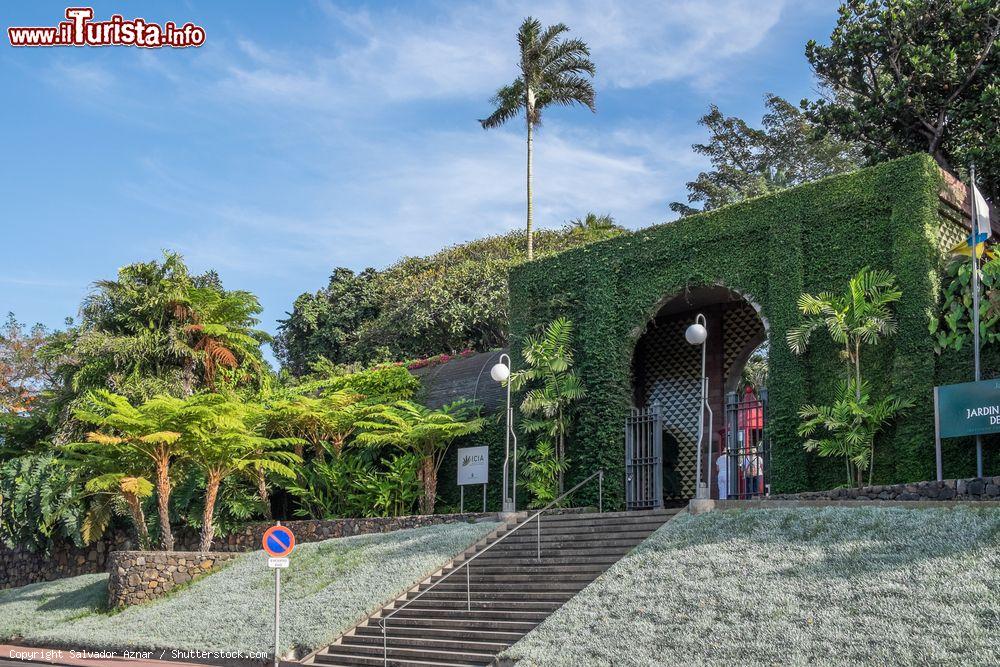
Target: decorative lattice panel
[(741, 326), (950, 235), (667, 370)]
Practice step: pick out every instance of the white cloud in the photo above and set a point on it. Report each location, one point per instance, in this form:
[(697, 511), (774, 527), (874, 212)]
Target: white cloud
[(469, 49), (646, 41)]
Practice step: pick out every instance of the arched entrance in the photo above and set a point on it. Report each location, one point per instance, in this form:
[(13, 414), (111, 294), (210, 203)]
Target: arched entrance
[(662, 429)]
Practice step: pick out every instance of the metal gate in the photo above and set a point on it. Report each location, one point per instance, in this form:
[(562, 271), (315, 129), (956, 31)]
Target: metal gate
[(747, 449), (644, 458)]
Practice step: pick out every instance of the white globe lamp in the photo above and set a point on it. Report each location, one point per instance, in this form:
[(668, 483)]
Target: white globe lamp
[(500, 372), (696, 334)]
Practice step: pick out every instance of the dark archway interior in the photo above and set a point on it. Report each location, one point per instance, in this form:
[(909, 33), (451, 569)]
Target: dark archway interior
[(667, 369)]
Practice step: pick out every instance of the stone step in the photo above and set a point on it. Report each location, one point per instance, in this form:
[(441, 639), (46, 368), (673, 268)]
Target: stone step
[(616, 552), (480, 605), (500, 637), (565, 542), (532, 537), (397, 641), (551, 560), (460, 618), (538, 586), (474, 615), (475, 576), (338, 659), (599, 517), (527, 596), (563, 528), (541, 569), (494, 625)]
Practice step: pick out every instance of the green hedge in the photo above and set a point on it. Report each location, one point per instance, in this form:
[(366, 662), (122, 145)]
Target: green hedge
[(771, 249)]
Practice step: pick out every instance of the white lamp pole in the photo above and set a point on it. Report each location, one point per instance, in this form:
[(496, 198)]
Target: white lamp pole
[(697, 334), (501, 373)]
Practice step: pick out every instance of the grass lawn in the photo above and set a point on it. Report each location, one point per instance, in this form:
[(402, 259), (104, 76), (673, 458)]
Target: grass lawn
[(327, 587), (831, 586)]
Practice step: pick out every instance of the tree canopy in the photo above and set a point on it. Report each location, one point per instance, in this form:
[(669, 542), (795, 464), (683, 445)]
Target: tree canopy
[(156, 330), (916, 76), (785, 151), (419, 306)]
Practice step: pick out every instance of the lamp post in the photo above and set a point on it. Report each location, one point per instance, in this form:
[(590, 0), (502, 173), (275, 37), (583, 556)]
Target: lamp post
[(697, 334), (501, 373)]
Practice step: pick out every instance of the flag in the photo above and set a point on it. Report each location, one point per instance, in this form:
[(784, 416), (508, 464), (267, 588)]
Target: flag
[(982, 227), (982, 212), (963, 248)]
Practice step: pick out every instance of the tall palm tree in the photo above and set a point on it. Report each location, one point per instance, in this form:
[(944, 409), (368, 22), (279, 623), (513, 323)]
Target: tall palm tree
[(552, 72)]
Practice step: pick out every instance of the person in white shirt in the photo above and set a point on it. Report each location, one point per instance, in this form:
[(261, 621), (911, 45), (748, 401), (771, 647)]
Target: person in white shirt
[(722, 469)]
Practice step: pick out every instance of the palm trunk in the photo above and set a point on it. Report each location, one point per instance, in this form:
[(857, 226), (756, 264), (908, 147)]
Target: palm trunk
[(139, 519), (207, 529), (265, 496), (857, 370), (857, 396), (428, 475), (531, 208), (163, 502), (561, 457), (187, 377)]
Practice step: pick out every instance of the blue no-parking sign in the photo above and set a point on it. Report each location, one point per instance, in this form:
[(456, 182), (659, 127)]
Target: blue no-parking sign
[(278, 541)]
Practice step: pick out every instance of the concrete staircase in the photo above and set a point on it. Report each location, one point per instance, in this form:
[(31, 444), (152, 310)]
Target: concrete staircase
[(512, 591)]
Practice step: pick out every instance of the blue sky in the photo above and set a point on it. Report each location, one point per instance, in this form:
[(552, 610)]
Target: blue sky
[(308, 135)]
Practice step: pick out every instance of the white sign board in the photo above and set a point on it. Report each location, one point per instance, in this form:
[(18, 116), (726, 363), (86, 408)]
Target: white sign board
[(473, 465), (277, 562)]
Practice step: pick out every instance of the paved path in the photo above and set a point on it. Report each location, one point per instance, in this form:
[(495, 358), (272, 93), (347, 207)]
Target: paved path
[(26, 656)]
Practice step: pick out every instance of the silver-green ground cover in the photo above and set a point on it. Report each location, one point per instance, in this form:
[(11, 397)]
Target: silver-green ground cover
[(328, 586), (831, 586)]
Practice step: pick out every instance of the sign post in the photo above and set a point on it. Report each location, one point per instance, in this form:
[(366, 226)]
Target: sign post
[(473, 468), (966, 409), (278, 542)]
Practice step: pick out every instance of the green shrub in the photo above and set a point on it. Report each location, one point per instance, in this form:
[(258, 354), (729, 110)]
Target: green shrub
[(40, 503)]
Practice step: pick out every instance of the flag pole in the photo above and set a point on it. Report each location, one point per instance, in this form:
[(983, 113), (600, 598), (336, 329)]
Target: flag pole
[(975, 304)]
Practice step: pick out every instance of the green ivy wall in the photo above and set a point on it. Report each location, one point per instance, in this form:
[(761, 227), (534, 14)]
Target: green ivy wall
[(807, 239)]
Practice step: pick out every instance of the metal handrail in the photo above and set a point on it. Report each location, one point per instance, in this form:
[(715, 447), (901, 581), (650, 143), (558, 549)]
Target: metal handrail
[(468, 587)]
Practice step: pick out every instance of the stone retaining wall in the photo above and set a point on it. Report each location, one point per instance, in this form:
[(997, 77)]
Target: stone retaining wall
[(140, 576), (19, 567), (978, 488)]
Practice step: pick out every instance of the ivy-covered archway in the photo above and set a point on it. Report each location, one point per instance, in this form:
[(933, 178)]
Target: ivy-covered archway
[(807, 239), (666, 372)]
